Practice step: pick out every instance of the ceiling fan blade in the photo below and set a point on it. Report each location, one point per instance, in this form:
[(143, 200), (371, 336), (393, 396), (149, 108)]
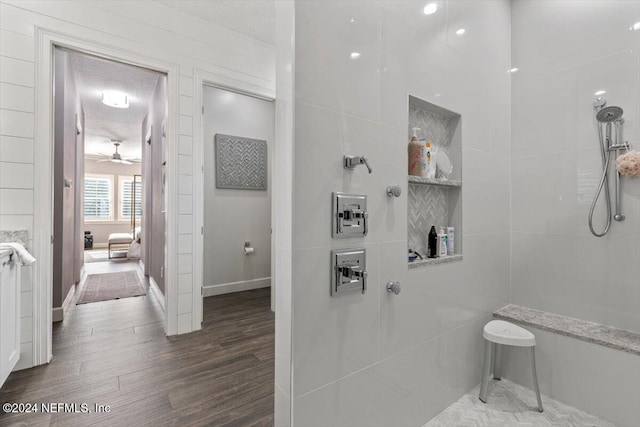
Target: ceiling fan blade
[(125, 162), (103, 160)]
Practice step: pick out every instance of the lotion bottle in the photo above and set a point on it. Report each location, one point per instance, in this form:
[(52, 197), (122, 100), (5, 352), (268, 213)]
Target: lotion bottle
[(450, 240), (442, 243), (416, 154)]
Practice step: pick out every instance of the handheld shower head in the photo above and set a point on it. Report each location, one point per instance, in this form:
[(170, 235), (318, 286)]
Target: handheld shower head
[(609, 114)]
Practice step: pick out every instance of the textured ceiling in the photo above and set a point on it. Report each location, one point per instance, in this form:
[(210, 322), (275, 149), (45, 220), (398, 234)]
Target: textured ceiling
[(103, 123), (253, 18)]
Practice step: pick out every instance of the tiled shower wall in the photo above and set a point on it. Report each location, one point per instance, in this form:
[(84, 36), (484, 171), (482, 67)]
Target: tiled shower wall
[(378, 359), (556, 264)]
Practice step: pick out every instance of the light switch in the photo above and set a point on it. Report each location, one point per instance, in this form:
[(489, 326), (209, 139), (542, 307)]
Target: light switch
[(350, 217), (349, 270)]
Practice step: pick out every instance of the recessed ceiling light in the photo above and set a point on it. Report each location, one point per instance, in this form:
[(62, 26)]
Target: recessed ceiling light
[(352, 20), (600, 92), (513, 70), (115, 99), (354, 55), (437, 95), (460, 32), (430, 9), (635, 27)]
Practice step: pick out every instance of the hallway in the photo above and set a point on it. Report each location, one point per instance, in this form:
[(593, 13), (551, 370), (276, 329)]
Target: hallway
[(115, 353)]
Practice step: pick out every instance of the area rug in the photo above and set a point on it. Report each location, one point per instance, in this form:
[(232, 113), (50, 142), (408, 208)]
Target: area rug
[(108, 286)]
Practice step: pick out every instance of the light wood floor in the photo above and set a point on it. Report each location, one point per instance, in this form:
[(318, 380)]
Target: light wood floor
[(115, 353)]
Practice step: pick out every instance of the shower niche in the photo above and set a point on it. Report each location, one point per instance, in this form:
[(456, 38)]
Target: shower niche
[(438, 200)]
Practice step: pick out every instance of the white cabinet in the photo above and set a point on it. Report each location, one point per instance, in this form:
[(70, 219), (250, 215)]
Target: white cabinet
[(9, 315)]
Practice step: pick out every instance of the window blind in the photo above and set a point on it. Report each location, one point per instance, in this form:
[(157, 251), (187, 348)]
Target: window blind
[(97, 198)]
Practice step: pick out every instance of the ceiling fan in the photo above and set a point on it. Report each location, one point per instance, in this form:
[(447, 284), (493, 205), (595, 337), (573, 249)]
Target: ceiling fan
[(116, 157)]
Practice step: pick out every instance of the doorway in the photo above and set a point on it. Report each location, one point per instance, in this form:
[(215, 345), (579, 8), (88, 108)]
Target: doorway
[(109, 194), (238, 145)]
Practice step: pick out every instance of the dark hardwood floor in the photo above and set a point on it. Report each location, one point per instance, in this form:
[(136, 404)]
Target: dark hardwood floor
[(115, 353)]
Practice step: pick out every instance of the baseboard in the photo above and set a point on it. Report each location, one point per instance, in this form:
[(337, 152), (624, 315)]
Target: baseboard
[(157, 293), (58, 313), (227, 288)]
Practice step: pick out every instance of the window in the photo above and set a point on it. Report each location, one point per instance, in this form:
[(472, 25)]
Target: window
[(126, 199), (98, 197)]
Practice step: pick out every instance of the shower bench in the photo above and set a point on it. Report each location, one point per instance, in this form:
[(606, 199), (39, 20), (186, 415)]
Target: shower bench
[(618, 339), (584, 364)]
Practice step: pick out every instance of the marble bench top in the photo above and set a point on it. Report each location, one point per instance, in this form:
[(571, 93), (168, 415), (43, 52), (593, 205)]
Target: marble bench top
[(619, 339)]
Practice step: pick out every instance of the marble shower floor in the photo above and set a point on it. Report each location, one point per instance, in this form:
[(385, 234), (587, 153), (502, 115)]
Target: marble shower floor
[(511, 405)]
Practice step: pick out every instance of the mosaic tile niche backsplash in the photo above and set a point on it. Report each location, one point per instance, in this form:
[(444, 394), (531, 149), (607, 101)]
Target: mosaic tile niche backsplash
[(428, 205)]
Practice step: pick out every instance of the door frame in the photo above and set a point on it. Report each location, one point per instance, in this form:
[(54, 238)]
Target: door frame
[(244, 85), (46, 41)]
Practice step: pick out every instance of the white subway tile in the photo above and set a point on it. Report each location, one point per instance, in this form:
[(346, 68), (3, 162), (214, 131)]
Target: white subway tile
[(16, 202), (186, 86), (185, 263), (185, 205), (185, 283), (184, 323), (16, 123), (185, 184), (15, 149), (185, 302), (14, 97), (185, 145), (16, 175), (17, 222), (186, 105), (18, 46), (186, 125), (16, 71), (185, 224), (185, 165), (185, 244)]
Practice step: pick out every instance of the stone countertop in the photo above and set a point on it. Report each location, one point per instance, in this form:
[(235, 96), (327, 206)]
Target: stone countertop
[(17, 236), (619, 339)]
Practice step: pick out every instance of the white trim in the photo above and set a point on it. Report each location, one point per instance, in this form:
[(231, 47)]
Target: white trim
[(227, 288), (156, 292), (58, 313), (239, 83), (43, 186)]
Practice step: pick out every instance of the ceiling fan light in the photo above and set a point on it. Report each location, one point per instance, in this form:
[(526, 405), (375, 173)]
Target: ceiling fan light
[(115, 99)]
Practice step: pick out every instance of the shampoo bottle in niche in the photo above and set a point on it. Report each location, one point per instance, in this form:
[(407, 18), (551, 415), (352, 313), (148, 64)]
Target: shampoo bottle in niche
[(416, 154), (442, 242), (432, 241), (450, 247)]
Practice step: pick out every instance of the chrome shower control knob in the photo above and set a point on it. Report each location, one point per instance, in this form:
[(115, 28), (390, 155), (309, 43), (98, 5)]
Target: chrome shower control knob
[(394, 287), (394, 190)]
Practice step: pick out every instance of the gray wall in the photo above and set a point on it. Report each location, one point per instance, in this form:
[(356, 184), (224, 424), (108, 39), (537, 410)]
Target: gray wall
[(232, 217), (152, 170), (67, 260), (102, 229)]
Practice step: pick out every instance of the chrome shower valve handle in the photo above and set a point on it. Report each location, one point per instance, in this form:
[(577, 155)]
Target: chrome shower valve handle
[(350, 162)]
